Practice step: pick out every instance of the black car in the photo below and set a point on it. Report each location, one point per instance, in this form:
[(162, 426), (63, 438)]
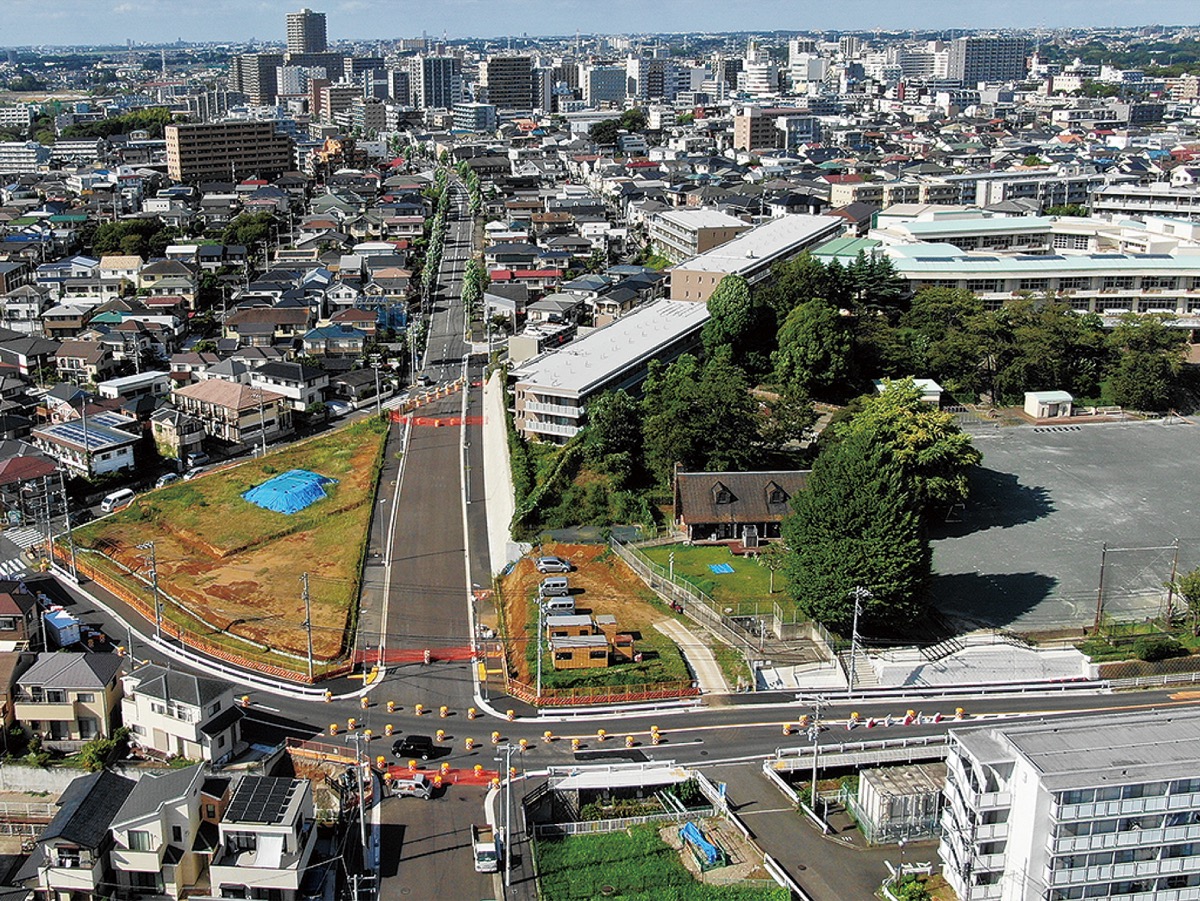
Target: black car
[(413, 746)]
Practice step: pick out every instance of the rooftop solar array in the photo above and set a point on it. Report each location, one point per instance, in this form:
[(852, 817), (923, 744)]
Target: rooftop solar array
[(110, 419), (261, 800), (94, 436)]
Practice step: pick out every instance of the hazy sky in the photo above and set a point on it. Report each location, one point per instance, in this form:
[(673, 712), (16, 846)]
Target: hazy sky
[(24, 22)]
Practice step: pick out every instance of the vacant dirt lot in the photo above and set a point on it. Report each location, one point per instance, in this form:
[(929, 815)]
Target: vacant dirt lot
[(238, 566)]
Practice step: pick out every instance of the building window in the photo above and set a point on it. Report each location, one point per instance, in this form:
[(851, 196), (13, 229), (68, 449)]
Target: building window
[(86, 697), (210, 811), (56, 696), (139, 840), (177, 834), (8, 623)]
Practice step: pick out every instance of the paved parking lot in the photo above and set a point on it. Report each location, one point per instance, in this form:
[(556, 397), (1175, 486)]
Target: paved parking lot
[(1027, 553)]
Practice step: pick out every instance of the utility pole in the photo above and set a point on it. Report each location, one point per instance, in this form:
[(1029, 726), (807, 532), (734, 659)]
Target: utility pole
[(1100, 590), (859, 594), (262, 423), (356, 737), (149, 545), (62, 484), (308, 624), (541, 629), (814, 732), (378, 396), (1171, 585), (508, 855)]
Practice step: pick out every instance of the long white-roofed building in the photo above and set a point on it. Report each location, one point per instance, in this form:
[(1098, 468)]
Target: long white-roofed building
[(551, 390)]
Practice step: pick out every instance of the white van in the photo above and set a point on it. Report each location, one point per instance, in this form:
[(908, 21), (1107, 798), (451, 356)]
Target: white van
[(560, 605), (554, 587), (116, 500)]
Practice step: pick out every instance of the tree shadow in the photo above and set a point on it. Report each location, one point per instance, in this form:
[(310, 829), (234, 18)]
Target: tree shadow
[(989, 600), (998, 500)]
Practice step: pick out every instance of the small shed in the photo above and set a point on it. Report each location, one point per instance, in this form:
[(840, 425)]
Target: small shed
[(1048, 404), (931, 392), (902, 802)]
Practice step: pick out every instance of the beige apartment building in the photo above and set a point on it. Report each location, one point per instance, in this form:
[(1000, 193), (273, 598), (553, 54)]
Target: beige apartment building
[(225, 150), (681, 234)]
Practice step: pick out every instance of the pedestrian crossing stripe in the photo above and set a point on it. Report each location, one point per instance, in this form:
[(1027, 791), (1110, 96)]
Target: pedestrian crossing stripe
[(12, 568), (25, 538)]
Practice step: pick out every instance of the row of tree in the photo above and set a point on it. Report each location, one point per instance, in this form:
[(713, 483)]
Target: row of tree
[(827, 330)]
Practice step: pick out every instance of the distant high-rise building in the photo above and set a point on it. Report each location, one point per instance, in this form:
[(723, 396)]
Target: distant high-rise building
[(603, 85), (226, 150), (256, 76), (398, 86), (435, 82), (982, 58), (508, 81), (306, 32)]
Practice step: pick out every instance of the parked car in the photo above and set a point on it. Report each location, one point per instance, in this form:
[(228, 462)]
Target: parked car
[(192, 473), (197, 459), (166, 479), (339, 408), (413, 746), (553, 565)]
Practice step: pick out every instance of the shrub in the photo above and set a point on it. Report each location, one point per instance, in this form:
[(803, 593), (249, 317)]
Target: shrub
[(1157, 647), (97, 752)]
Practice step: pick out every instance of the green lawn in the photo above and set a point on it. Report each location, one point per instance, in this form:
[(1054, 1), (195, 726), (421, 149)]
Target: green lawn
[(635, 865), (748, 586)]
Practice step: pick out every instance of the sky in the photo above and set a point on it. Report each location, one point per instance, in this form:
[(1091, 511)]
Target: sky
[(33, 22)]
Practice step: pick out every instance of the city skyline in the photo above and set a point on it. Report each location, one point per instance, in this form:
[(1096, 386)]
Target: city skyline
[(81, 22)]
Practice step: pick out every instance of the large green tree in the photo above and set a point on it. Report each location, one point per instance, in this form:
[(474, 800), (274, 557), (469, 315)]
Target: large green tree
[(856, 524), (814, 348), (738, 323), (698, 415), (932, 452)]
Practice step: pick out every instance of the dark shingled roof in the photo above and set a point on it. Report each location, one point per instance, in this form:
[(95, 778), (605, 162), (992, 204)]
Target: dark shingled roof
[(746, 497), (87, 808), (172, 685)]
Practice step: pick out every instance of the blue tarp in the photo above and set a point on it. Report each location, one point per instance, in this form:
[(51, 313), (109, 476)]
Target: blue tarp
[(691, 834), (289, 492), (720, 568)]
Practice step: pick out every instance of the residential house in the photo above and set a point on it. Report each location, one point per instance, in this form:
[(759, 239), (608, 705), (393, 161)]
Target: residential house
[(13, 274), (93, 445), (735, 506), (28, 353), (19, 623), (158, 848), (12, 664), (176, 714), (335, 340), (176, 434), (71, 857), (21, 309), (65, 320), (235, 413), (582, 641), (301, 385), (266, 840), (125, 268), (69, 698), (358, 387), (264, 326), (84, 362)]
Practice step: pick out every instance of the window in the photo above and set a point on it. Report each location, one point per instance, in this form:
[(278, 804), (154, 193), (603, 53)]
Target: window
[(8, 623), (220, 741), (86, 697), (88, 728), (139, 840), (598, 655), (177, 834), (56, 696), (210, 811)]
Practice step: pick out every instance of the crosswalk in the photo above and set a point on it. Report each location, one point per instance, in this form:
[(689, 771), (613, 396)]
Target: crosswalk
[(11, 569), (25, 538)]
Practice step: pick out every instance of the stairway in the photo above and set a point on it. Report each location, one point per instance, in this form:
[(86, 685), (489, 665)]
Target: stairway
[(864, 673)]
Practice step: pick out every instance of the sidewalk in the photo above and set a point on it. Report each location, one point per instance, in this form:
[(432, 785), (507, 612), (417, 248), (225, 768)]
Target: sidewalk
[(698, 655), (497, 477)]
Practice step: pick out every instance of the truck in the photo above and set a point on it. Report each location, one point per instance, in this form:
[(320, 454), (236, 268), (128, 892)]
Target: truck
[(487, 849)]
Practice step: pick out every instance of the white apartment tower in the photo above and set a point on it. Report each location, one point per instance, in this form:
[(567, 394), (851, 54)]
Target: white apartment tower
[(1104, 806)]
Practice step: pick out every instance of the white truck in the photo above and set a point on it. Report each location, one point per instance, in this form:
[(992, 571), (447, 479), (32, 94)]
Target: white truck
[(487, 849)]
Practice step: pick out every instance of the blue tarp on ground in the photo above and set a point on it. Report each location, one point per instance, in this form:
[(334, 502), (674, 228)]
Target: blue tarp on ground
[(720, 568), (691, 833), (289, 492)]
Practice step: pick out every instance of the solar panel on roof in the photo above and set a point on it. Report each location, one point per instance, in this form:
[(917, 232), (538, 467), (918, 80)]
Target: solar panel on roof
[(260, 800)]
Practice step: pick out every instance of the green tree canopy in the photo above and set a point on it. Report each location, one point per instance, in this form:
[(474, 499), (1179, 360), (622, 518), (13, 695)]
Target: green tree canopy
[(856, 524), (814, 348), (700, 416), (925, 443)]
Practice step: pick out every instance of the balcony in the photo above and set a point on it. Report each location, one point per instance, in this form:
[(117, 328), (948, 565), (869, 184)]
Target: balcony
[(553, 409), (550, 428), (994, 801)]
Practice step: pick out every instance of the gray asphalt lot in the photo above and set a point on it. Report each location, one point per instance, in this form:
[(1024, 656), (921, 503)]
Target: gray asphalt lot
[(1027, 553)]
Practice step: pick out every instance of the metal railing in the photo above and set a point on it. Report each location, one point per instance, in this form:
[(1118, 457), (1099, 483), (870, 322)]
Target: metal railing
[(597, 827)]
